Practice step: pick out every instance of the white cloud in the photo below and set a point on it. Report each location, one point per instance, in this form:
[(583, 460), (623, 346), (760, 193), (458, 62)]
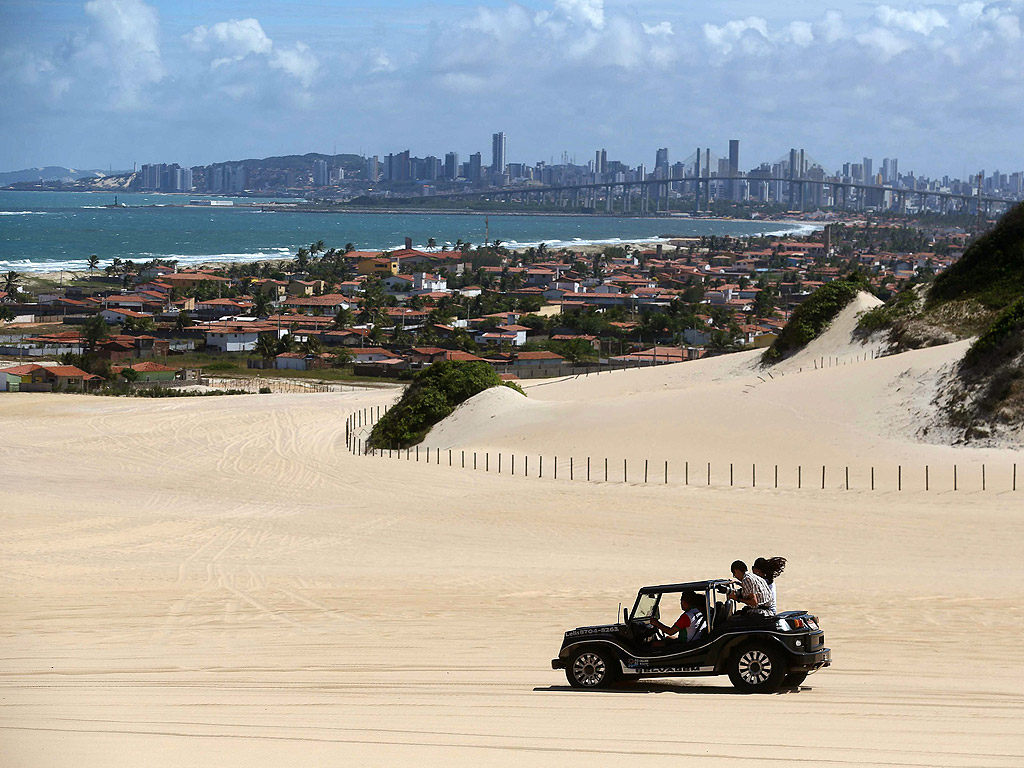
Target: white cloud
[(884, 41), (801, 33), (297, 61), (234, 41), (923, 21), (231, 40), (661, 29), (740, 34), (584, 12), (124, 40)]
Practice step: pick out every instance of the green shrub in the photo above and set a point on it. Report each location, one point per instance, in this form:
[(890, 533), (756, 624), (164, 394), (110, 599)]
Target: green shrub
[(813, 316), (903, 304), (1004, 338), (433, 394), (991, 269)]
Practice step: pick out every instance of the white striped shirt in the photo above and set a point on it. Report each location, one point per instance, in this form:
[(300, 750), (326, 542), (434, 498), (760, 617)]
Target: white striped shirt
[(756, 587)]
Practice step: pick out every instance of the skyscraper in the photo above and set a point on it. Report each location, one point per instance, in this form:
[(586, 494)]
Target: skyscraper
[(601, 162), (474, 173), (661, 161), (498, 153), (321, 173), (451, 165), (868, 167), (734, 168)]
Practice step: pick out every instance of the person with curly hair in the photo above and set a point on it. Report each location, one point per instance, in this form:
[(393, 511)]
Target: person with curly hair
[(769, 569)]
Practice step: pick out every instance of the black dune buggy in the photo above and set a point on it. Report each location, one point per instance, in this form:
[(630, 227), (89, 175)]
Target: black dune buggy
[(759, 653)]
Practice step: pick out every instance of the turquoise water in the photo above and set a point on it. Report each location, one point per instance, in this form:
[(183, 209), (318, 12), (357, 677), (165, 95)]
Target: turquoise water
[(42, 231)]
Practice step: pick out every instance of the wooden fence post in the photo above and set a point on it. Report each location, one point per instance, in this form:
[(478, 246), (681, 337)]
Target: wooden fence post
[(899, 477), (926, 477), (872, 478), (753, 475), (709, 473), (730, 474), (588, 469), (847, 478), (606, 469), (954, 477), (645, 470), (625, 472), (823, 477), (799, 476), (666, 473), (776, 475)]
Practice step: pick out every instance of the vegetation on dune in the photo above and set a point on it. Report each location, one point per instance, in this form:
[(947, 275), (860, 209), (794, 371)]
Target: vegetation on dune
[(991, 271), (433, 394), (1003, 340), (812, 317), (903, 304)]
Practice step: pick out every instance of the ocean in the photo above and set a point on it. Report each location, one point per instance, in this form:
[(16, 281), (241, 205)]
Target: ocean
[(49, 231)]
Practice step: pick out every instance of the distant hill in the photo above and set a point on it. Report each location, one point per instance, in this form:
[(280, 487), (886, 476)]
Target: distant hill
[(49, 173)]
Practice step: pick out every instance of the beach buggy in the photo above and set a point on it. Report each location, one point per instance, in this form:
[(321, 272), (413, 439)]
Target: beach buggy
[(759, 653)]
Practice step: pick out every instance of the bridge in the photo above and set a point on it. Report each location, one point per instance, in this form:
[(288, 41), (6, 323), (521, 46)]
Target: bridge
[(636, 196)]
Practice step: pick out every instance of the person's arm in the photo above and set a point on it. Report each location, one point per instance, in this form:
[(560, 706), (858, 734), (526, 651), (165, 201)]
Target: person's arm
[(681, 623)]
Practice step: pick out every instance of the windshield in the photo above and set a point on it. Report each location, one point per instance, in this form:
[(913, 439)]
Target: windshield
[(646, 607)]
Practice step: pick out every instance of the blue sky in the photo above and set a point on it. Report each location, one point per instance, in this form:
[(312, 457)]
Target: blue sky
[(101, 83)]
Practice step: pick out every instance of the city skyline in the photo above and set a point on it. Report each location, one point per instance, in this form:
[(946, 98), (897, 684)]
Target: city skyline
[(109, 83)]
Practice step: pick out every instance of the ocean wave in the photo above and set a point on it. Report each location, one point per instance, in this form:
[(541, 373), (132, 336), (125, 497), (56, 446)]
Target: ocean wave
[(25, 213), (82, 265)]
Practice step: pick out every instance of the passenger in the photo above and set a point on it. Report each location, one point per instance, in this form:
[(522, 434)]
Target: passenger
[(769, 569), (754, 592), (691, 625)]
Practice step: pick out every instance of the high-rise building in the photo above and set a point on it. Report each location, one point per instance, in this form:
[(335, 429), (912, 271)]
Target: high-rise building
[(475, 171), (734, 168), (498, 153), (451, 166), (601, 162), (661, 161), (373, 168), (321, 173), (868, 166)]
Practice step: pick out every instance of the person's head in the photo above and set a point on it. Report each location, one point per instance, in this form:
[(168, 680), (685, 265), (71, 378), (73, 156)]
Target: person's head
[(739, 569), (760, 567), (773, 567), (689, 600)]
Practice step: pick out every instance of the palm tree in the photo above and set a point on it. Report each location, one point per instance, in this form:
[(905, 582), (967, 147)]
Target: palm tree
[(266, 347), (343, 318), (302, 258), (94, 330), (261, 304), (312, 345), (431, 243), (349, 247), (11, 282), (285, 344), (93, 261)]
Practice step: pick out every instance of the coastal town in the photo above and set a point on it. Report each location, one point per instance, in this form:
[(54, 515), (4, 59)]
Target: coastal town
[(343, 314)]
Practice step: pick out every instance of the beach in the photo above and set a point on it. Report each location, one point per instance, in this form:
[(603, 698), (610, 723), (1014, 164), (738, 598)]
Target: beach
[(220, 582)]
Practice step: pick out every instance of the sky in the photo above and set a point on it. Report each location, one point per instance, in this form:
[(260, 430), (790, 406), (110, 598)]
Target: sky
[(109, 83)]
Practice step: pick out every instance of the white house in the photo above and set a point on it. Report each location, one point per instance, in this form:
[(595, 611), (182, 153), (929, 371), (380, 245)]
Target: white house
[(428, 283), (239, 336)]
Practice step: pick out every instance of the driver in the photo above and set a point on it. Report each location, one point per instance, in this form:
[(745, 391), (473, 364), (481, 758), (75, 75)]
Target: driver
[(691, 625)]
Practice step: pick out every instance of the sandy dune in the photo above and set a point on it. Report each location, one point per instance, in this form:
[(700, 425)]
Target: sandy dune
[(217, 582)]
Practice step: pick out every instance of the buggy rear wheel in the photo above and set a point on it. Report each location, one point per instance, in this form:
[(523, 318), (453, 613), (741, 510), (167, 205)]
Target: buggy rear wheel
[(757, 667), (591, 668)]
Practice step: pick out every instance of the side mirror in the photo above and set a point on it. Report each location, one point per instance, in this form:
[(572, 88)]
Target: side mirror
[(625, 615)]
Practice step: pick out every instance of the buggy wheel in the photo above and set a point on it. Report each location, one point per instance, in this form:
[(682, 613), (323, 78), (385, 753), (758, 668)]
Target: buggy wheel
[(591, 668), (757, 668), (794, 679)]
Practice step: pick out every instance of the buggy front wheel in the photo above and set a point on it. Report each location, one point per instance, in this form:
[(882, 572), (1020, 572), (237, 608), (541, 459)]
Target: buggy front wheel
[(591, 668)]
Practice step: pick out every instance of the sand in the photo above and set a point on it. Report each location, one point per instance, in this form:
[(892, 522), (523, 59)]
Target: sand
[(217, 582)]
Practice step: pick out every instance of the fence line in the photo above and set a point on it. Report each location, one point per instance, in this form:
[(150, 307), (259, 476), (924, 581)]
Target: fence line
[(929, 478)]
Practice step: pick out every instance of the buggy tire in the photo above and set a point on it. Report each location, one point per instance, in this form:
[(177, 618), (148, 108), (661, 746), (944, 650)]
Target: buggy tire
[(591, 668), (795, 679), (757, 667)]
